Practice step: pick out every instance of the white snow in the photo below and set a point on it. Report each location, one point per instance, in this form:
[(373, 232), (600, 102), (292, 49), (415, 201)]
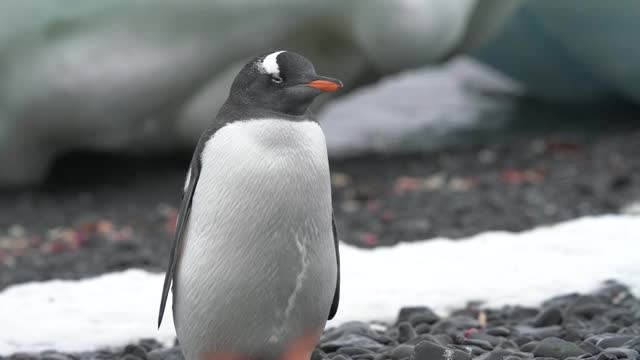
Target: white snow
[(497, 267)]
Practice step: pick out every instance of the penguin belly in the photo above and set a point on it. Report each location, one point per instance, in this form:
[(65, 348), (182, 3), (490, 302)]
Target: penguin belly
[(257, 269)]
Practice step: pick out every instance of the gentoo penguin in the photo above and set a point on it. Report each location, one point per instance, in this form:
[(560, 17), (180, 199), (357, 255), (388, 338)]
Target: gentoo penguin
[(255, 263)]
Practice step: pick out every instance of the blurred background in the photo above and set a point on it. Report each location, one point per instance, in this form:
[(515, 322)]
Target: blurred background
[(457, 117)]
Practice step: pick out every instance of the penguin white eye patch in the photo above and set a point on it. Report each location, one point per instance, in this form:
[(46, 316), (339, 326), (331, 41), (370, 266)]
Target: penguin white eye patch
[(269, 65)]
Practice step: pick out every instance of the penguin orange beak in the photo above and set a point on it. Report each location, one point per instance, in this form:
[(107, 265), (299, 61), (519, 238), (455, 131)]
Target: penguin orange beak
[(325, 84)]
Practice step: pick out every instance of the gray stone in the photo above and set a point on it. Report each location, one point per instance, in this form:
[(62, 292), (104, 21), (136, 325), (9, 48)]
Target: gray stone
[(173, 353), (548, 317), (614, 341), (401, 351), (557, 348), (427, 350), (350, 340)]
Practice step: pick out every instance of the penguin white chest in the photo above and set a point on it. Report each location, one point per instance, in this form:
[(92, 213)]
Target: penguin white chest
[(258, 264)]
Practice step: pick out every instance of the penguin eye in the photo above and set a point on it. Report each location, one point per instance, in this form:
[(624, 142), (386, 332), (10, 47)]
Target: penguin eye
[(276, 79)]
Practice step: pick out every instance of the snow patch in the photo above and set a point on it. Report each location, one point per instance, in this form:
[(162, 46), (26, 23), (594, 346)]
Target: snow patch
[(496, 267)]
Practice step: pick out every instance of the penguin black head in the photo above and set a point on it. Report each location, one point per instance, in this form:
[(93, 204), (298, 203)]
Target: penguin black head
[(282, 82)]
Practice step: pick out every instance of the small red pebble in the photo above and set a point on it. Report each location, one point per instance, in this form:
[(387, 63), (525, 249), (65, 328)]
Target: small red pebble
[(369, 239), (35, 240), (387, 215), (81, 236), (405, 184), (170, 220), (559, 146), (54, 247), (75, 242), (104, 227), (373, 206), (512, 177), (18, 252), (468, 332)]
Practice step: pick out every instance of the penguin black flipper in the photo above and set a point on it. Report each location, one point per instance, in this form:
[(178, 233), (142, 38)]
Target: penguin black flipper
[(336, 294), (181, 224)]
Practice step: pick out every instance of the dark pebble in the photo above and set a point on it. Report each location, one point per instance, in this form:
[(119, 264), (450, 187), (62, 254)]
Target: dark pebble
[(483, 344), (586, 306), (614, 341), (52, 355), (22, 356), (454, 324), (557, 348), (318, 354), (633, 344), (523, 339), (541, 333), (340, 357), (622, 353), (590, 310), (572, 334), (407, 312), (423, 318), (353, 350), (427, 350), (589, 348), (441, 339), (597, 337), (609, 328), (173, 353), (368, 356), (522, 313), (136, 351), (548, 317), (528, 347), (352, 327), (498, 354), (507, 344), (472, 350), (130, 357), (493, 340), (405, 332), (607, 356), (422, 328), (149, 344), (351, 340), (401, 351), (523, 355), (499, 331)]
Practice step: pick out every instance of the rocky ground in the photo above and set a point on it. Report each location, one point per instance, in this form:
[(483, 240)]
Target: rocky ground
[(604, 325), (100, 213)]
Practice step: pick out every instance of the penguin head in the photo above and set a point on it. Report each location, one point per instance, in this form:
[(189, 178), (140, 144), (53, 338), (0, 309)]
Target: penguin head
[(281, 81)]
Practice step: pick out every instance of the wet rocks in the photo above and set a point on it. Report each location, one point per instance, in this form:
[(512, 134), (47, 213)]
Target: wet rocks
[(509, 333), (556, 348)]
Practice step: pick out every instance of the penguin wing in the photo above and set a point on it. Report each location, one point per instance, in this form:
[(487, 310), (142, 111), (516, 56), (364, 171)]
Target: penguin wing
[(183, 217), (336, 294)]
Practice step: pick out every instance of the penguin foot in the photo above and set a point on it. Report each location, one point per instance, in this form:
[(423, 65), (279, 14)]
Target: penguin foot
[(301, 348)]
